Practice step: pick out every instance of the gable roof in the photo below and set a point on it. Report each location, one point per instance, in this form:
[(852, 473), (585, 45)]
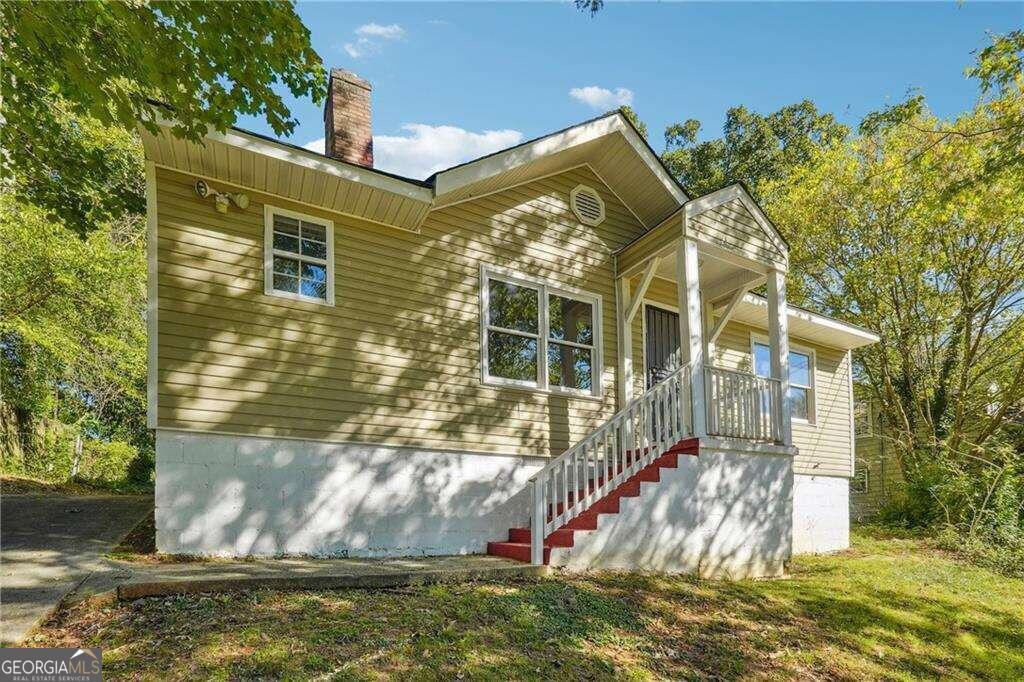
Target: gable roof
[(608, 144)]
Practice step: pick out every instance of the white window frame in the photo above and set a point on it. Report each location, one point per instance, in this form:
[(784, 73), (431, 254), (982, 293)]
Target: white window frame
[(543, 288), (269, 252), (812, 392)]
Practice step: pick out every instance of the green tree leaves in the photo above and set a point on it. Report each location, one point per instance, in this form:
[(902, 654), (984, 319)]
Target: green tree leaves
[(107, 62), (753, 148)]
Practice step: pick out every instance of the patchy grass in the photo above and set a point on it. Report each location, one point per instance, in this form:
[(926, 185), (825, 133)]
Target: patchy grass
[(891, 608)]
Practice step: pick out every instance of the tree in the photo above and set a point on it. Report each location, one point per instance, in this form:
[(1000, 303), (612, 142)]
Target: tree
[(632, 117), (999, 70), (886, 231), (105, 64), (753, 148)]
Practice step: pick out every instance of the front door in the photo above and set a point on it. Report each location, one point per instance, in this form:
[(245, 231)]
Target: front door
[(661, 344)]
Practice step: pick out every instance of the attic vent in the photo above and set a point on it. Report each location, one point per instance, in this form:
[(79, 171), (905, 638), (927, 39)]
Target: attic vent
[(587, 205)]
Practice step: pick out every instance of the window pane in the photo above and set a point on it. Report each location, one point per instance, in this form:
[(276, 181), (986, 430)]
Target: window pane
[(286, 283), (513, 307), (570, 320), (799, 402), (286, 225), (284, 242), (799, 369), (314, 249), (569, 366), (314, 281), (314, 232), (511, 356), (286, 266), (762, 360)]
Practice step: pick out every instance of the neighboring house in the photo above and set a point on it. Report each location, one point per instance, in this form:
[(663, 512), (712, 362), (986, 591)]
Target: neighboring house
[(877, 477), (347, 362)]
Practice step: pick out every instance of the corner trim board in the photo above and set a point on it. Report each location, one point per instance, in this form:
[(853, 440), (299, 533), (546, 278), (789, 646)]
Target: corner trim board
[(152, 293)]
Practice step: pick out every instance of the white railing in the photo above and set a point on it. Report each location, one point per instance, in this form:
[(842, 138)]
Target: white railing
[(630, 440), (741, 405)]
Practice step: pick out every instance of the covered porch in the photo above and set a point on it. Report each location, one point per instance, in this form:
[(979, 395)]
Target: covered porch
[(715, 249)]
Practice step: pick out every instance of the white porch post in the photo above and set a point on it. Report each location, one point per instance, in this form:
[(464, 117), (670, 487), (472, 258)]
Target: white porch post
[(625, 325), (691, 337), (778, 340)]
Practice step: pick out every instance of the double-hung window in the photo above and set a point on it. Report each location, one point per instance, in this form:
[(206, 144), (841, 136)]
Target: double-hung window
[(539, 336), (299, 256), (801, 378)]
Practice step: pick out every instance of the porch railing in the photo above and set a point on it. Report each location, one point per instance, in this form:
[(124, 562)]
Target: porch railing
[(631, 439), (741, 405)]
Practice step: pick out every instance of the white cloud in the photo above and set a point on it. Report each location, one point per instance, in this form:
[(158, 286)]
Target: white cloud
[(426, 149), (315, 146), (371, 37), (602, 98), (389, 32)]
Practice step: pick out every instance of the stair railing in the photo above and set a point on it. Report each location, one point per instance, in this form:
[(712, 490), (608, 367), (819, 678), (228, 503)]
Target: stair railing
[(631, 439)]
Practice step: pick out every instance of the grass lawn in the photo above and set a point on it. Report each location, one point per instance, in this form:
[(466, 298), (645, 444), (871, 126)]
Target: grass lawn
[(888, 608)]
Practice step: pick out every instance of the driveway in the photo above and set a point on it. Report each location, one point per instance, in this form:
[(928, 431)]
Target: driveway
[(49, 545)]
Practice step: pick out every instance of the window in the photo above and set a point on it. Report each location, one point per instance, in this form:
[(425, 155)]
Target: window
[(538, 336), (862, 422), (299, 256), (859, 482), (801, 378)]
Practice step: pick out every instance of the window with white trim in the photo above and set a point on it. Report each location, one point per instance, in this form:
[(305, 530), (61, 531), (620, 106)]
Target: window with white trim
[(539, 336), (299, 256), (862, 419), (801, 378)]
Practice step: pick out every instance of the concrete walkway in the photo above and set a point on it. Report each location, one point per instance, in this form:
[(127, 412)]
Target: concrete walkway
[(132, 581), (49, 545)]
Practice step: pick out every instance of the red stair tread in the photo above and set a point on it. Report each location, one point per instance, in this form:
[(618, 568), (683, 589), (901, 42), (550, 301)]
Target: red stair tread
[(518, 545)]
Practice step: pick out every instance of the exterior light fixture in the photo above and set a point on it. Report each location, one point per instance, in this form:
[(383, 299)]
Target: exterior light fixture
[(222, 200)]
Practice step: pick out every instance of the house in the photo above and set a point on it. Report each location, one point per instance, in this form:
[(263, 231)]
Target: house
[(551, 353), (877, 477)]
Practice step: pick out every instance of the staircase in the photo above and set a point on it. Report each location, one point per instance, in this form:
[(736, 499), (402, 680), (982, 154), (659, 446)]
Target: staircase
[(611, 462)]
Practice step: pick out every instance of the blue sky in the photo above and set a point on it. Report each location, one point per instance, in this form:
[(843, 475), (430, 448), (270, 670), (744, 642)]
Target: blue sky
[(456, 80)]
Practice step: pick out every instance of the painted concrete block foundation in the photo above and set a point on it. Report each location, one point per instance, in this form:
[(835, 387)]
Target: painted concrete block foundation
[(722, 515), (244, 496), (821, 514)]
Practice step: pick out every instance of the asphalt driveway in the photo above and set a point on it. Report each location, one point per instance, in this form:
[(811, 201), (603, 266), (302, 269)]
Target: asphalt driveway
[(49, 545)]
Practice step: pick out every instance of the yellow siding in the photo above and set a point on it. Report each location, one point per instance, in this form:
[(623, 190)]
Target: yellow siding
[(396, 360), (825, 445), (731, 227)]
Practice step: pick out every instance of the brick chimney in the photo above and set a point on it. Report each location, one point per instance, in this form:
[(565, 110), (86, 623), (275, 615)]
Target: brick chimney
[(348, 135)]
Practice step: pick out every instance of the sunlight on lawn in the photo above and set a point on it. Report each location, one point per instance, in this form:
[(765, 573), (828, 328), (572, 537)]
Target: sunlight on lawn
[(888, 607)]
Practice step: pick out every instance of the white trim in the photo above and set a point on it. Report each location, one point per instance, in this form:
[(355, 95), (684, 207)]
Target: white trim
[(269, 211), (309, 159), (543, 288), (152, 297), (481, 169), (820, 320), (812, 411), (586, 189), (641, 290), (852, 404)]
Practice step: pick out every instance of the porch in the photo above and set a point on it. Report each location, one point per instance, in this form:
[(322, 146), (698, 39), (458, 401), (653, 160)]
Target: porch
[(715, 250)]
